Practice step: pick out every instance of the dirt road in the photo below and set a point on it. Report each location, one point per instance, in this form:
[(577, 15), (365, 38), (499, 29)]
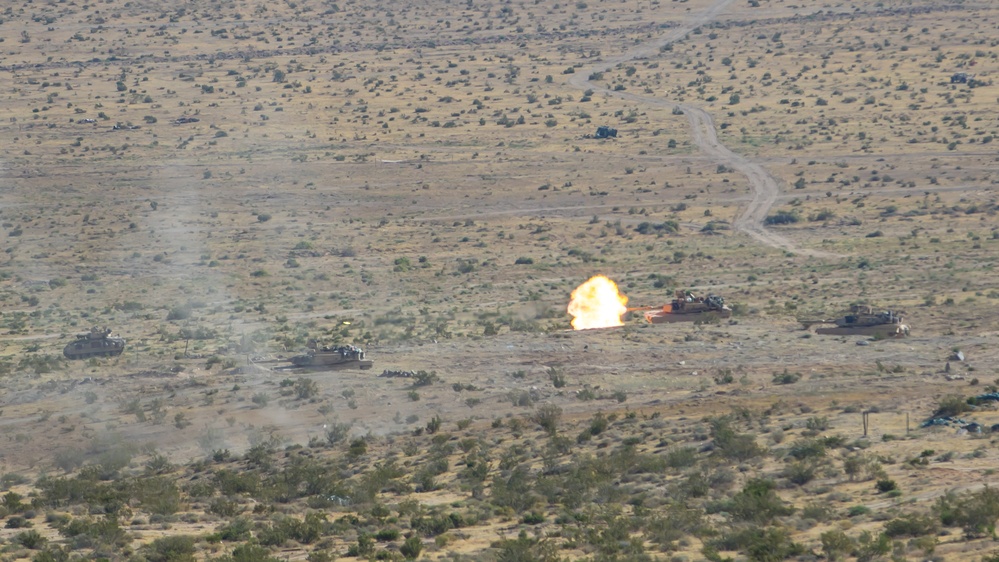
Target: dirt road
[(705, 135)]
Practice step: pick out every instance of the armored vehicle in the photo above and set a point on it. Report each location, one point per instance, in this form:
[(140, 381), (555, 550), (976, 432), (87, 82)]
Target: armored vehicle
[(330, 358), (687, 308), (98, 342), (862, 320)]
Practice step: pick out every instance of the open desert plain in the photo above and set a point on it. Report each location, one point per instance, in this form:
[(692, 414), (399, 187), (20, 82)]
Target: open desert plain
[(224, 183)]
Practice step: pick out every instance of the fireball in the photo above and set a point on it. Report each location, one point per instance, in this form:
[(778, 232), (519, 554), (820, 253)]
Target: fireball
[(597, 304)]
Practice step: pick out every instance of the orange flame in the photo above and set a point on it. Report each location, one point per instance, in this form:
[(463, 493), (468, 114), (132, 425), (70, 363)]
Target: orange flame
[(597, 304)]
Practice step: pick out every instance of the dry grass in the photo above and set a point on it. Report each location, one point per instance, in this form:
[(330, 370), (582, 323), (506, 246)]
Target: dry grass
[(419, 180)]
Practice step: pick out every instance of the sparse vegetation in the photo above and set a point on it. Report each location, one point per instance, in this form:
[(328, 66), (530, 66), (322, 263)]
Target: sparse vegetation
[(223, 184)]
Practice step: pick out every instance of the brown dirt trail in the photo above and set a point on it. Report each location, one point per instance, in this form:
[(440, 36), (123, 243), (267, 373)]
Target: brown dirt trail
[(705, 135)]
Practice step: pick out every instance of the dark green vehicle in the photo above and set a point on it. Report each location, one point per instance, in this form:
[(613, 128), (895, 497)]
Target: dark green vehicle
[(98, 342)]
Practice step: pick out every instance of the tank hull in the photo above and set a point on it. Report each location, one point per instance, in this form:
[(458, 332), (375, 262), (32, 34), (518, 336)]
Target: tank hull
[(863, 320), (668, 317), (331, 358), (363, 364), (688, 308), (85, 348), (882, 330)]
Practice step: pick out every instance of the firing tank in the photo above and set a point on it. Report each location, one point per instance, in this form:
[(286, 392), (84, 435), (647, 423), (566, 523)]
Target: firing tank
[(330, 358), (862, 320), (98, 342), (686, 307)]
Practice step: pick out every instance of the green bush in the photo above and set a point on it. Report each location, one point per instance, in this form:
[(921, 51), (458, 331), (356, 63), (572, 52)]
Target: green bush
[(30, 539), (886, 485), (911, 525), (836, 544), (248, 553), (411, 548), (733, 445), (975, 512), (800, 472), (952, 405), (783, 217), (176, 548), (758, 502)]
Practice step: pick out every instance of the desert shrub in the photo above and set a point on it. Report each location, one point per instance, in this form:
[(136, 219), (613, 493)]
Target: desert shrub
[(434, 425), (817, 423), (836, 544), (526, 549), (952, 405), (975, 512), (786, 378), (358, 447), (176, 548), (158, 495), (665, 227), (411, 548), (337, 432), (232, 483), (760, 544), (806, 449), (247, 553), (884, 485), (321, 556), (911, 525), (733, 445), (237, 529), (533, 518), (30, 539), (436, 524), (306, 388), (783, 217), (758, 502), (514, 491), (681, 457), (18, 522), (817, 512), (861, 465), (673, 522), (598, 424), (547, 416), (182, 312), (424, 378), (800, 472), (95, 533), (522, 398), (872, 547), (41, 364), (224, 507)]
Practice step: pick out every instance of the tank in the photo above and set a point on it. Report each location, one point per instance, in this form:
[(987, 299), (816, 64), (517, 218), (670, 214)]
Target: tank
[(862, 320), (331, 358), (687, 308), (98, 342)]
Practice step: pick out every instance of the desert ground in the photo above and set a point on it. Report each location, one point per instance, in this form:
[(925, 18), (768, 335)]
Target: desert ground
[(221, 182)]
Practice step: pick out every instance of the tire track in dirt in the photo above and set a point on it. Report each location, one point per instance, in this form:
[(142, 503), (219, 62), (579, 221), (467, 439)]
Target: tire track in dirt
[(705, 135)]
